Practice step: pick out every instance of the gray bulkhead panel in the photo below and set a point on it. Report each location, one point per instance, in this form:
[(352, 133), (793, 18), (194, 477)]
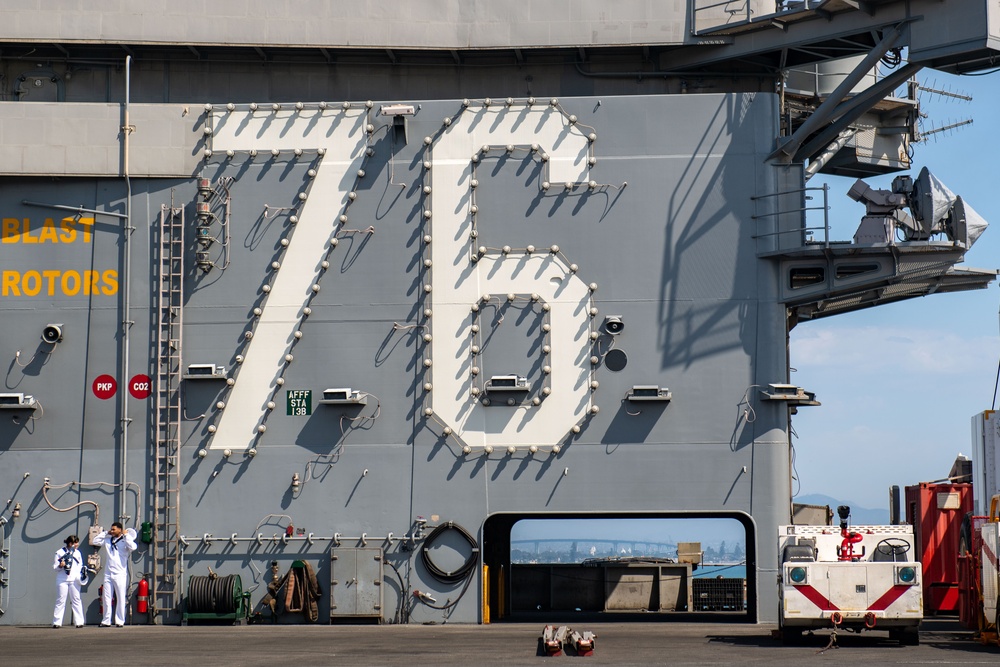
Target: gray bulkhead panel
[(962, 27), (471, 24), (671, 253), (58, 139)]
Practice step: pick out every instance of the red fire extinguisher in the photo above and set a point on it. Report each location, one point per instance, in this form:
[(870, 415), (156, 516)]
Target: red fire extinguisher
[(142, 595)]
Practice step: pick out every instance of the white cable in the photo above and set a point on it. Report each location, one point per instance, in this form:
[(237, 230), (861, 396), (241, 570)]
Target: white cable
[(277, 516)]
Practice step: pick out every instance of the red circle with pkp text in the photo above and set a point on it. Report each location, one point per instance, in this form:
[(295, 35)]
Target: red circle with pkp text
[(105, 387), (140, 386)]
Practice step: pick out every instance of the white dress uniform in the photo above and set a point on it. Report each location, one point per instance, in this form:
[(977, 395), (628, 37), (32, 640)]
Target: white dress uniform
[(116, 572), (68, 584)]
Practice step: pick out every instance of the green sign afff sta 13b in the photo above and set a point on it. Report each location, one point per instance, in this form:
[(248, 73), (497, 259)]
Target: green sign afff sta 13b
[(299, 402)]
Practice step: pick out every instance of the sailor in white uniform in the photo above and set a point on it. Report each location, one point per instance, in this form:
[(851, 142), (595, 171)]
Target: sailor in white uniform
[(118, 544), (68, 565)]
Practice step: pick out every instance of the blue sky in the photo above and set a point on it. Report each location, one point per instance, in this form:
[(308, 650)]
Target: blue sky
[(900, 383)]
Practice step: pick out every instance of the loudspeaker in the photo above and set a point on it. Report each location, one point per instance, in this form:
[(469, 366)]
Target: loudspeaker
[(614, 325), (52, 333)]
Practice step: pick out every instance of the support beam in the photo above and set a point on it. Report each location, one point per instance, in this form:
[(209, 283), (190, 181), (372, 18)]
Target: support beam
[(832, 149), (850, 111), (823, 114)]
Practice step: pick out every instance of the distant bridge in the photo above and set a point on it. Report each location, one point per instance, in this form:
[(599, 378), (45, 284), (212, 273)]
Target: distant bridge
[(582, 546)]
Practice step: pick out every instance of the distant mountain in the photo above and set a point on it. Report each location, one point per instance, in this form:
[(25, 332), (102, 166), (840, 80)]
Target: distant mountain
[(860, 516)]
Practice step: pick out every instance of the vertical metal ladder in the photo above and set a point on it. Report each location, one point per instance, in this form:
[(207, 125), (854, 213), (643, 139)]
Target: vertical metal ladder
[(165, 590)]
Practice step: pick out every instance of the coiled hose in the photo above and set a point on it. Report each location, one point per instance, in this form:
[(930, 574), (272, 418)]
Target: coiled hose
[(464, 570), (214, 595)]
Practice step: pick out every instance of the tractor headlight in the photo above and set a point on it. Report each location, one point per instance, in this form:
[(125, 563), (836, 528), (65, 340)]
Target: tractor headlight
[(797, 575), (906, 575)]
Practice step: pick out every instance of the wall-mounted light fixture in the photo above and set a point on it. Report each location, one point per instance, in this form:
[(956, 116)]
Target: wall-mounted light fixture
[(790, 394), (17, 401), (648, 392), (205, 372), (512, 383), (399, 114), (344, 396)]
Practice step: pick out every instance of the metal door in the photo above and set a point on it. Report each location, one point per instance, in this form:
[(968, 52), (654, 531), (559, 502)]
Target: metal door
[(356, 582)]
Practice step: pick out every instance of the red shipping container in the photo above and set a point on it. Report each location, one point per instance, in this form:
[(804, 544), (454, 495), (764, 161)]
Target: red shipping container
[(936, 511)]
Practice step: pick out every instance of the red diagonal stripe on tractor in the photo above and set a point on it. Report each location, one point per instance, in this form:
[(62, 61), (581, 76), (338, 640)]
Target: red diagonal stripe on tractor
[(990, 555), (889, 597), (817, 598)]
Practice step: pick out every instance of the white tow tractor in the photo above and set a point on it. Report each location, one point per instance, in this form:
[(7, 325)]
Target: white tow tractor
[(990, 576), (856, 578)]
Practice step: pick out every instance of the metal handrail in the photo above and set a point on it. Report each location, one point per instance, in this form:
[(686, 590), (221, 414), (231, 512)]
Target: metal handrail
[(74, 209), (695, 8), (825, 208), (790, 210), (788, 231), (780, 7)]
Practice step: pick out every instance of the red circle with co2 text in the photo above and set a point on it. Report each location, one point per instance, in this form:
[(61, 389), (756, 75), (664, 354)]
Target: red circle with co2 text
[(139, 386), (105, 387)]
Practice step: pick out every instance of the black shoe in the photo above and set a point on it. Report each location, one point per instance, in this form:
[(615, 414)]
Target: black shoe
[(119, 625), (104, 625), (54, 625), (80, 626)]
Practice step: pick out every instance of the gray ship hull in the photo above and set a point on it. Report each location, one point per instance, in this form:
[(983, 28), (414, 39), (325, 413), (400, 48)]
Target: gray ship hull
[(373, 335)]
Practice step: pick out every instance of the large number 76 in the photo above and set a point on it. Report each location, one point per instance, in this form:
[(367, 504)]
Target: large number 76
[(461, 275)]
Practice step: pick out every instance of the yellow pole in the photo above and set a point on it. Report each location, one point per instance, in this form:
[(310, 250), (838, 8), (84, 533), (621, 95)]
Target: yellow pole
[(486, 594)]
